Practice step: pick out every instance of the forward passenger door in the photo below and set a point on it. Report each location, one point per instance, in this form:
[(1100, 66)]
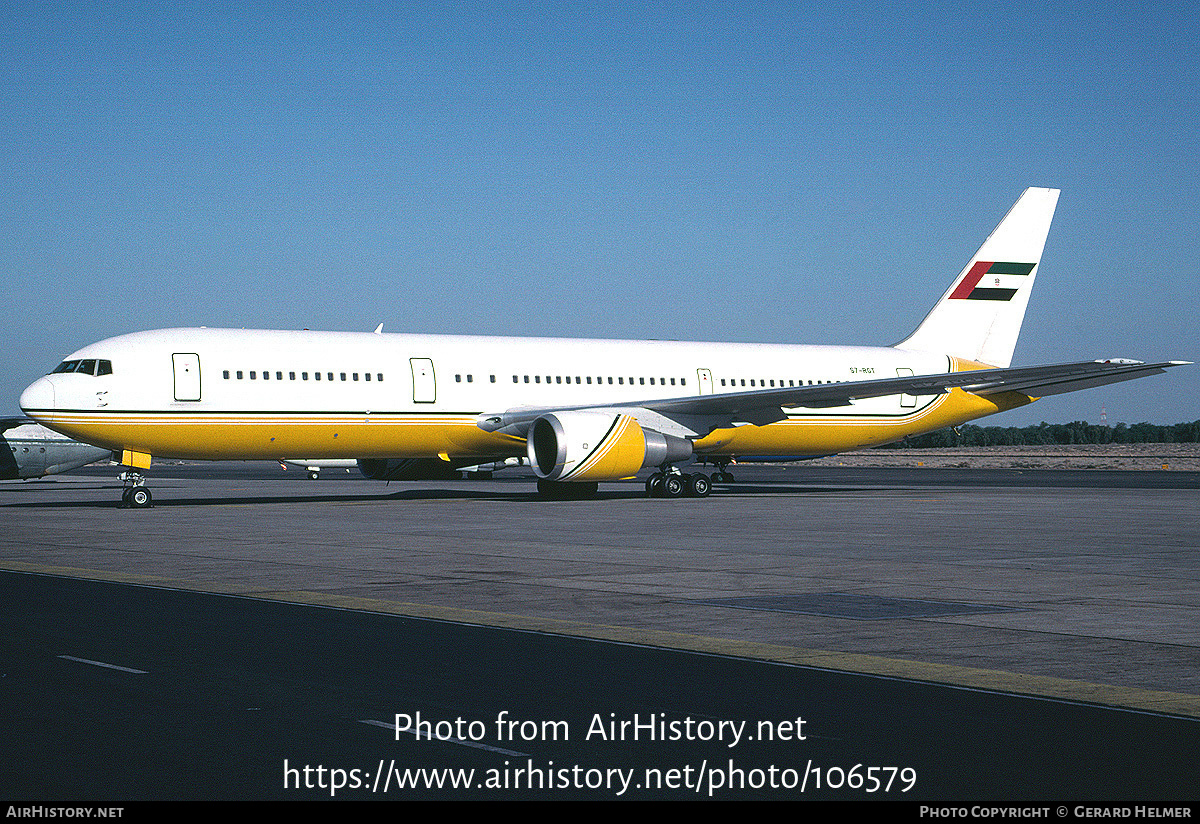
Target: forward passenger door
[(424, 382), (187, 376)]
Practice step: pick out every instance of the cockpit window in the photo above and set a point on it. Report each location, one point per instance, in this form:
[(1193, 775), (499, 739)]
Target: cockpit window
[(88, 366)]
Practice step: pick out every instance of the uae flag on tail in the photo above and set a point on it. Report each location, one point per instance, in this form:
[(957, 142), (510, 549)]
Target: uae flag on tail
[(992, 280)]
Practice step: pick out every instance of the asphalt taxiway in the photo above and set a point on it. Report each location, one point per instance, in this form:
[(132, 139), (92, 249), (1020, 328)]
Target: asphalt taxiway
[(1077, 588)]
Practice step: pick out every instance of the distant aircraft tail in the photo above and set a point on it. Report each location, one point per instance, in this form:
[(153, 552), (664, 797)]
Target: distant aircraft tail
[(980, 315)]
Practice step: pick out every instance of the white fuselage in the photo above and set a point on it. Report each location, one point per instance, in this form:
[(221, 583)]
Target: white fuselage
[(229, 394)]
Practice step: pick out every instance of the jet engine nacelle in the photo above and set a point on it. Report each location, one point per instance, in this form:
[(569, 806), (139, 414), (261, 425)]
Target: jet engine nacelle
[(598, 446)]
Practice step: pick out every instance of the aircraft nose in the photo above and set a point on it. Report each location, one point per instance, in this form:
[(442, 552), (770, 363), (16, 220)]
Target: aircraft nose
[(39, 395)]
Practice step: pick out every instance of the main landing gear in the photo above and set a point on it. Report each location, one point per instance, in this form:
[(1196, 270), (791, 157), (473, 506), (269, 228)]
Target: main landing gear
[(135, 494), (669, 482), (721, 476), (675, 484)]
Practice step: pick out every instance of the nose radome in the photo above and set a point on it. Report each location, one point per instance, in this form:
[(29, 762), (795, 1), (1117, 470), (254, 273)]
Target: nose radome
[(38, 395)]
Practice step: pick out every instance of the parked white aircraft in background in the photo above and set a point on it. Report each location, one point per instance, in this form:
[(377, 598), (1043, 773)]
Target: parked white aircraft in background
[(30, 450), (313, 468), (416, 469), (583, 411)]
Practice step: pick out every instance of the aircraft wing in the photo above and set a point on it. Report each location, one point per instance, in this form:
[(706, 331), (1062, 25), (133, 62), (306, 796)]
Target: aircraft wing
[(701, 413)]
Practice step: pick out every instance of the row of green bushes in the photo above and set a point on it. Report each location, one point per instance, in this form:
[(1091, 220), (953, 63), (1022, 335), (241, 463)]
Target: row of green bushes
[(1054, 433)]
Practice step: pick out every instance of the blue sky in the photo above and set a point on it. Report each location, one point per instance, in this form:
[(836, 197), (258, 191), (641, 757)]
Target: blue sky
[(773, 172)]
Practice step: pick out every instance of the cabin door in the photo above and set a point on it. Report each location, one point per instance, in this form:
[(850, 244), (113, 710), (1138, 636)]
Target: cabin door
[(424, 384), (906, 401), (187, 376)]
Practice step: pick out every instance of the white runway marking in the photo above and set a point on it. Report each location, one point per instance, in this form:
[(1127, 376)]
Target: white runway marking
[(102, 664), (474, 744)]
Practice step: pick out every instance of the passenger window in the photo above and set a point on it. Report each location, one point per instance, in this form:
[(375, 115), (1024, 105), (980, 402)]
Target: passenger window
[(225, 374)]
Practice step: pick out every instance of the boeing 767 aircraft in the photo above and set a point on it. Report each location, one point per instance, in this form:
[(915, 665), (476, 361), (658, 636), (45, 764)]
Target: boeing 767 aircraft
[(583, 411)]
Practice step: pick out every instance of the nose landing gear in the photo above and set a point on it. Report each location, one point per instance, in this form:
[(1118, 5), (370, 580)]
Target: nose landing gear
[(135, 495)]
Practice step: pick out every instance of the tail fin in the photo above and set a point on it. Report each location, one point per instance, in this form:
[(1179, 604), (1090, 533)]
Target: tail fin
[(980, 315)]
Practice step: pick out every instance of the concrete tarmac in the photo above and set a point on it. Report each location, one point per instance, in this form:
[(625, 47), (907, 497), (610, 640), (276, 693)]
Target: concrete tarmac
[(1074, 585), (116, 692)]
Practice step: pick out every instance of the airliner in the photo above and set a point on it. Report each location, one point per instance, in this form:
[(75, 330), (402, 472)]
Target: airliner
[(582, 411), (30, 450)]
